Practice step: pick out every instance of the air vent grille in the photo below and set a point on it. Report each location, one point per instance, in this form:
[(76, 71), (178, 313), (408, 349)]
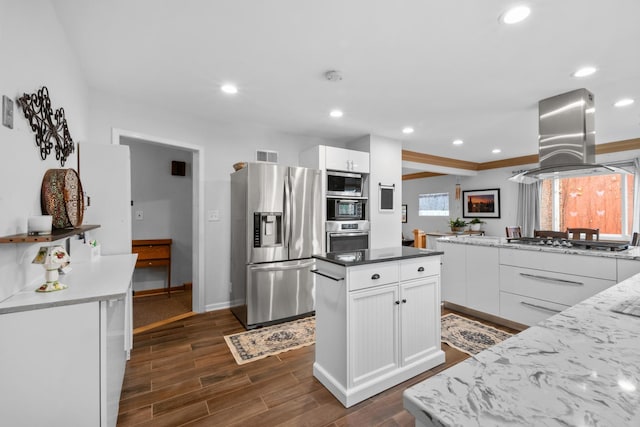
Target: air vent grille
[(267, 156)]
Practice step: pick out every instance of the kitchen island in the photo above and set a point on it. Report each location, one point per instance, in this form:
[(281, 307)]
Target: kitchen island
[(580, 367), (377, 319), (519, 284), (63, 353)]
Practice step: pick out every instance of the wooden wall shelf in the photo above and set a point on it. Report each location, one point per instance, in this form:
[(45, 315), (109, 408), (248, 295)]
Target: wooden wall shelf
[(56, 234)]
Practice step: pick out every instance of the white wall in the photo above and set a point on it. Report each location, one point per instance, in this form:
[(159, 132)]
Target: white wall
[(385, 163), (494, 178), (34, 54), (166, 203), (223, 146)]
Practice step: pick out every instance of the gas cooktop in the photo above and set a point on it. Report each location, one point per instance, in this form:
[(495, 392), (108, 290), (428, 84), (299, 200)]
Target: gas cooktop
[(566, 243)]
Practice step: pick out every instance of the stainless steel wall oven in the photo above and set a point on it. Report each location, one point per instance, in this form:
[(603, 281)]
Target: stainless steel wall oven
[(347, 235)]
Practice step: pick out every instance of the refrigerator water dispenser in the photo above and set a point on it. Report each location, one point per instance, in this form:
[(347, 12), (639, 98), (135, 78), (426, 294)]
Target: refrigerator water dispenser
[(267, 229)]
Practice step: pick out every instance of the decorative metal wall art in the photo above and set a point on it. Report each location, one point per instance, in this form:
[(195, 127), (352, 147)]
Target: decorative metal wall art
[(50, 127)]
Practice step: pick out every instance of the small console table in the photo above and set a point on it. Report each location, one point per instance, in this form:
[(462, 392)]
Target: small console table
[(154, 253)]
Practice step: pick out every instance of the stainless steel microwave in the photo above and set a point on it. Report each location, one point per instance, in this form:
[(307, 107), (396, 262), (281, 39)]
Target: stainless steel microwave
[(344, 184), (345, 209)]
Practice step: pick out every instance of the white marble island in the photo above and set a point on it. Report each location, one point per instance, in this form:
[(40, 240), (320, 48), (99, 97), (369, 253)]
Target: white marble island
[(518, 284), (580, 367), (377, 319)]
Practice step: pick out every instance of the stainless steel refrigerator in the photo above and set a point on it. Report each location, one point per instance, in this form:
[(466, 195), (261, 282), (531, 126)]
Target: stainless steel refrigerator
[(276, 225)]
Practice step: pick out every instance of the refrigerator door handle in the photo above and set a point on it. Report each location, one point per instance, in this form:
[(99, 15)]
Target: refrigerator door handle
[(298, 266), (287, 210)]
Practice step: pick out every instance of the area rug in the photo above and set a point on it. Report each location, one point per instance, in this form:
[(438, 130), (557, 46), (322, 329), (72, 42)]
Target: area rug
[(469, 336), (259, 343)]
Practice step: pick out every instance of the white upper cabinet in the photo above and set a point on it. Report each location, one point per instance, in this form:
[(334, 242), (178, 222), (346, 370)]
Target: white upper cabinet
[(334, 158), (346, 160)]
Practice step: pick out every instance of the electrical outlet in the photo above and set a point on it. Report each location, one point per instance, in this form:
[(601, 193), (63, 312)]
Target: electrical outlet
[(139, 215), (213, 215)]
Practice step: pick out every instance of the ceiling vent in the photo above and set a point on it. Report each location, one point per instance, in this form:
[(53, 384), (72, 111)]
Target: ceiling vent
[(267, 156)]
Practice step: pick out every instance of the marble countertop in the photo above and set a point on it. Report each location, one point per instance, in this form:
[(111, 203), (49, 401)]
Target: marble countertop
[(633, 253), (371, 256), (107, 277), (580, 367)]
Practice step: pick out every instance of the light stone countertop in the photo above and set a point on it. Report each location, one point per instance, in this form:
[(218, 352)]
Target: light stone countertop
[(633, 253), (107, 277), (580, 367)]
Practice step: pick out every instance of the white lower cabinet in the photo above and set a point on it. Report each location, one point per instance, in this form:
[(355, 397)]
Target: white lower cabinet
[(470, 276), (371, 336), (627, 268), (63, 366), (527, 310), (537, 285), (454, 273)]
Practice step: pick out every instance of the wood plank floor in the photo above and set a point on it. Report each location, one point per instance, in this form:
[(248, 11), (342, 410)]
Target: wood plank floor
[(183, 374)]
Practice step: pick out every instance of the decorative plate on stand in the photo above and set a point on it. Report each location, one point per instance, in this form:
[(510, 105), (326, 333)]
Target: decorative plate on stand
[(62, 197)]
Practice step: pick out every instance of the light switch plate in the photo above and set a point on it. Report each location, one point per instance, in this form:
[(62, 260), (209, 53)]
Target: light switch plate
[(7, 112)]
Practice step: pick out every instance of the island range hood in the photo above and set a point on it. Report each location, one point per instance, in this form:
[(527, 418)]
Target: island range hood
[(566, 139)]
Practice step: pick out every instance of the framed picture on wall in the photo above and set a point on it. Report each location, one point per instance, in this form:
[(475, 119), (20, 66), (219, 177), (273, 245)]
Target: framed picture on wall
[(481, 203), (404, 213)]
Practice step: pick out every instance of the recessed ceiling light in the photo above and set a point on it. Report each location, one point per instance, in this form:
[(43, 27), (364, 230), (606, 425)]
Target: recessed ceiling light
[(407, 130), (584, 72), (515, 15), (336, 113), (229, 88), (458, 142), (496, 151), (624, 102)]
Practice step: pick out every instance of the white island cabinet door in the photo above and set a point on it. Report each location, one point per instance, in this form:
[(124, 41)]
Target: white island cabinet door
[(483, 279), (454, 273), (420, 319), (373, 338)]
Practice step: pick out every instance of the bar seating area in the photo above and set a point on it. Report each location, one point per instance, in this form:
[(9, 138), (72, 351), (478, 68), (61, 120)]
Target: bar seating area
[(552, 234), (588, 233)]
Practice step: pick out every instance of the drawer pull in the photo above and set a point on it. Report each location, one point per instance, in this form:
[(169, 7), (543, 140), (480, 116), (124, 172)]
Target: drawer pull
[(553, 310), (421, 269), (375, 276), (336, 279), (552, 279)]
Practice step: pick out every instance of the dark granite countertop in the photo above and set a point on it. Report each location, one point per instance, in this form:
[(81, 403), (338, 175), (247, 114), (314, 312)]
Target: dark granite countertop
[(371, 256)]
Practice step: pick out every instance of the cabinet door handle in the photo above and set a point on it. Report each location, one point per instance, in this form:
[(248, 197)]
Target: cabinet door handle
[(404, 301), (375, 276), (553, 310), (552, 279), (421, 269), (397, 302)]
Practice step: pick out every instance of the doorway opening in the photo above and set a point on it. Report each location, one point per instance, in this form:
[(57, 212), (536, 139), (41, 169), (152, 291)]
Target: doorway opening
[(195, 156)]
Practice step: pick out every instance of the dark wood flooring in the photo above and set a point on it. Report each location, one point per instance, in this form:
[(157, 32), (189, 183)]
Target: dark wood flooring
[(183, 374)]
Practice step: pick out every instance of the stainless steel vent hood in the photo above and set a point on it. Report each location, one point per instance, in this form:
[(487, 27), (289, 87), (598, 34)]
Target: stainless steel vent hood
[(566, 139)]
